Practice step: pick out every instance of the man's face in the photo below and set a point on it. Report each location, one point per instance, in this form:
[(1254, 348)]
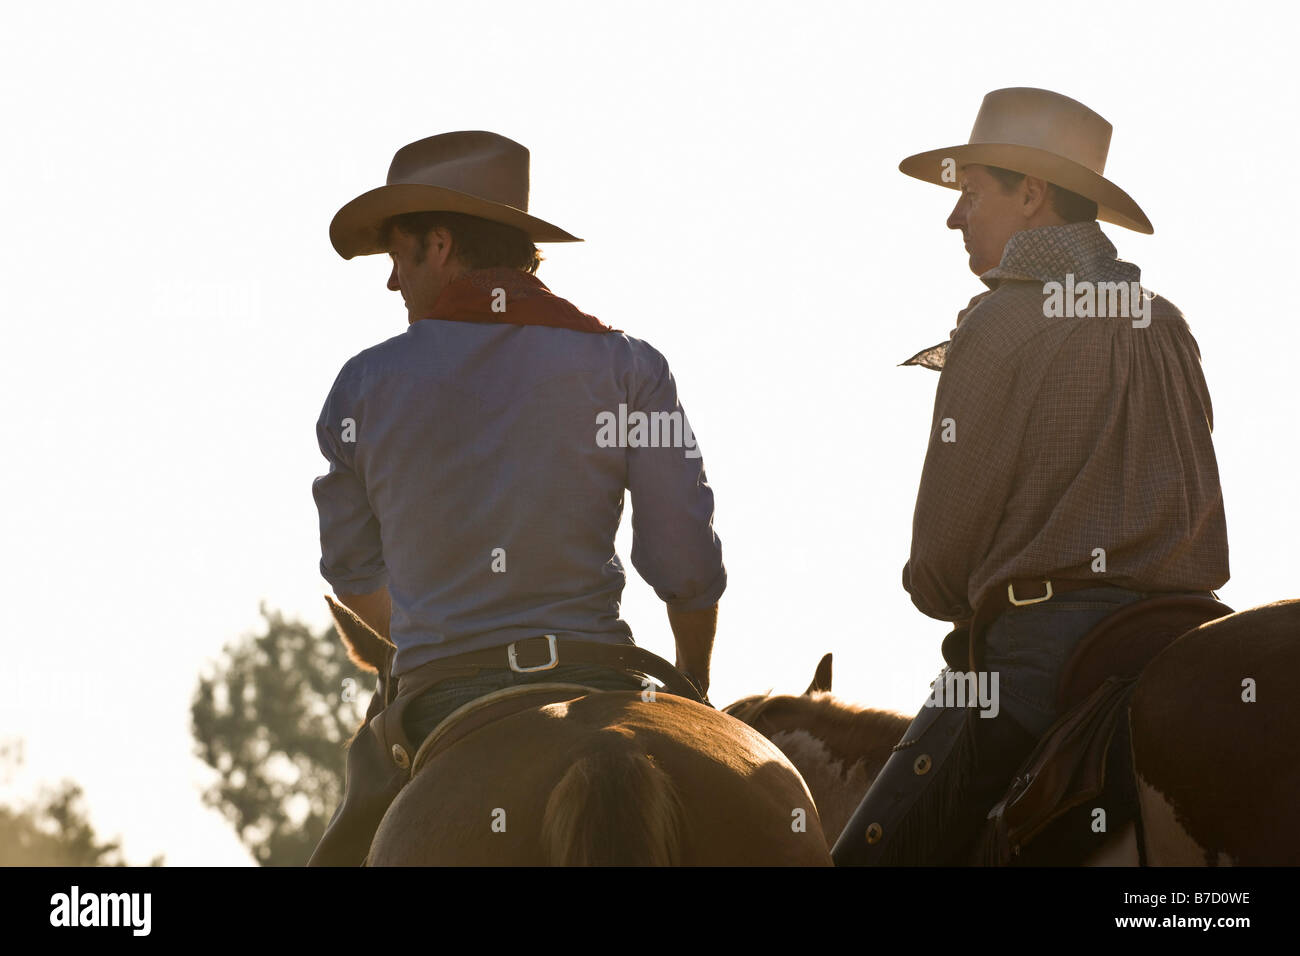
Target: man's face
[(420, 277), (986, 216)]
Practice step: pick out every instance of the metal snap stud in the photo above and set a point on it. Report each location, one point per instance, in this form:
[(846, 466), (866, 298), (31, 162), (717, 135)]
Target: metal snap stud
[(922, 765), (400, 757)]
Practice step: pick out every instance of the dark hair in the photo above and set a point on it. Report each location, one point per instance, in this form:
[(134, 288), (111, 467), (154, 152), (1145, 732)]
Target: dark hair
[(477, 243), (1069, 206)]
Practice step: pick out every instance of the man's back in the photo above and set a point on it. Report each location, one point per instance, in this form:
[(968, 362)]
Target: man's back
[(476, 451), (1076, 439)]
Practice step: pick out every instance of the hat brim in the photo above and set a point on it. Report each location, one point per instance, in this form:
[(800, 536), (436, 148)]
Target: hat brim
[(1113, 204), (354, 231)]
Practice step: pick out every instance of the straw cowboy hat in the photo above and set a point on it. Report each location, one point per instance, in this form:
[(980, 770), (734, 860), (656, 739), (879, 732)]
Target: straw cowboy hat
[(1043, 134), (471, 172)]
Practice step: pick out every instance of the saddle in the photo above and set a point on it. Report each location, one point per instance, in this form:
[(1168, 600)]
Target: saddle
[(489, 708), (1069, 766)]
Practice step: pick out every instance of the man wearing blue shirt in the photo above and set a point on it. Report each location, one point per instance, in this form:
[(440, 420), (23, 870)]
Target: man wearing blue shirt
[(478, 462)]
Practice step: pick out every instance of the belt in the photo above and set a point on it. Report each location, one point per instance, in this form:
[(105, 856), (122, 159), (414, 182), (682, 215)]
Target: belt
[(1020, 592), (516, 658)]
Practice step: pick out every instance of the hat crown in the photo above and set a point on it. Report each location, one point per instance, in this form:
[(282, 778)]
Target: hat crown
[(1023, 116), (475, 162)]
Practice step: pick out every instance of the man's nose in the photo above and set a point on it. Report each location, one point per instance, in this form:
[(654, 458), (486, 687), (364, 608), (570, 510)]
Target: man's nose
[(957, 218), (392, 280)]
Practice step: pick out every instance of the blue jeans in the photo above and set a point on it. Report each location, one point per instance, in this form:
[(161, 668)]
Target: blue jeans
[(1028, 648), (952, 765)]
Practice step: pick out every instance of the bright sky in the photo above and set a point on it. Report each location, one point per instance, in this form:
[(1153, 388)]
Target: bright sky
[(175, 315)]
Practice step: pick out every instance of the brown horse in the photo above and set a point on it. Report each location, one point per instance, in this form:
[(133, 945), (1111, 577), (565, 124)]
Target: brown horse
[(1215, 722), (599, 778), (1215, 728)]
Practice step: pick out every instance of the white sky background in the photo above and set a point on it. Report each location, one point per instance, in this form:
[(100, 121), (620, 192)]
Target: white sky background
[(174, 314)]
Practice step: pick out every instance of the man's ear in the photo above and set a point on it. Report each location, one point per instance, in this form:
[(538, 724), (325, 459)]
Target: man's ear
[(1037, 196), (440, 247)]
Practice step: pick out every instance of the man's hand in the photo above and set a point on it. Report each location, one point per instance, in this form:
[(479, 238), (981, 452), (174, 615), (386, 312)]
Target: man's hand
[(693, 631), (375, 608)]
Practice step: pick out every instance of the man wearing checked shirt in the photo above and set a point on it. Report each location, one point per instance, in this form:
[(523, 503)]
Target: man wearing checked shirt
[(1070, 470)]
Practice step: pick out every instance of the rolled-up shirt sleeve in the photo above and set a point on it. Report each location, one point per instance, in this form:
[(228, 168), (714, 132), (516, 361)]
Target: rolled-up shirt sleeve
[(674, 546), (352, 556)]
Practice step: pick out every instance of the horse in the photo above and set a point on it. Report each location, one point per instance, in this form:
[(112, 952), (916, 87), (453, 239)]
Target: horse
[(1214, 732), (593, 777), (838, 748)]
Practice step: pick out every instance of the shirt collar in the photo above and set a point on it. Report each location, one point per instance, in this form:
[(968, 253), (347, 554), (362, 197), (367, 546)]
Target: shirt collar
[(1047, 253)]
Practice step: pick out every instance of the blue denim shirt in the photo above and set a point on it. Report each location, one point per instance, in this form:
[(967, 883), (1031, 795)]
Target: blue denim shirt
[(478, 471)]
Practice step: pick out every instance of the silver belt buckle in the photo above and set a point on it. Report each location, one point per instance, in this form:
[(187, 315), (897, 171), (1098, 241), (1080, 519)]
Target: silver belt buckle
[(514, 660), (1011, 596)]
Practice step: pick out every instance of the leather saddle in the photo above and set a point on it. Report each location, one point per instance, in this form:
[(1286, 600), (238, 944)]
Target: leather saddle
[(1069, 767), (488, 709)]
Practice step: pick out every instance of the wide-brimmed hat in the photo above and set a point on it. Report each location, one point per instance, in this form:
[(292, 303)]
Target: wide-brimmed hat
[(1043, 134), (472, 172)]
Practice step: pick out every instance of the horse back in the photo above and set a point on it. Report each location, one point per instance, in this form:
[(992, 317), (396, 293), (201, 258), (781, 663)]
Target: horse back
[(605, 778)]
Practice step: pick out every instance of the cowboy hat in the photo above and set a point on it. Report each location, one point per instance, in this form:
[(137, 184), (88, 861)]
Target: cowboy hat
[(472, 172), (1043, 134)]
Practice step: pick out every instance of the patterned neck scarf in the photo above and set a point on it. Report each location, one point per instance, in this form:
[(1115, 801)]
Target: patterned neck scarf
[(1045, 254), (509, 296)]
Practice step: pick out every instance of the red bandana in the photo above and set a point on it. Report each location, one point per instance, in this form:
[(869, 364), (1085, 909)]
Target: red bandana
[(510, 296)]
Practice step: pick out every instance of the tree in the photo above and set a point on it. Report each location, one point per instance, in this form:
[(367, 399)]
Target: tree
[(273, 719), (53, 830)]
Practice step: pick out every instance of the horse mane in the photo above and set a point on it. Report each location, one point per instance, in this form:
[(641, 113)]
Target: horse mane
[(851, 732)]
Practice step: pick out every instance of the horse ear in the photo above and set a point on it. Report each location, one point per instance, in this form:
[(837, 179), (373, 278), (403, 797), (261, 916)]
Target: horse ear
[(822, 679), (367, 648)]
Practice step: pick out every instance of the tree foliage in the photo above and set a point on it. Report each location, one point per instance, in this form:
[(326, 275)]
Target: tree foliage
[(272, 718), (53, 829)]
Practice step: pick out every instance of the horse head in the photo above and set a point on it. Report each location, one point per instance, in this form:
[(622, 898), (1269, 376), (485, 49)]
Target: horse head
[(837, 748)]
